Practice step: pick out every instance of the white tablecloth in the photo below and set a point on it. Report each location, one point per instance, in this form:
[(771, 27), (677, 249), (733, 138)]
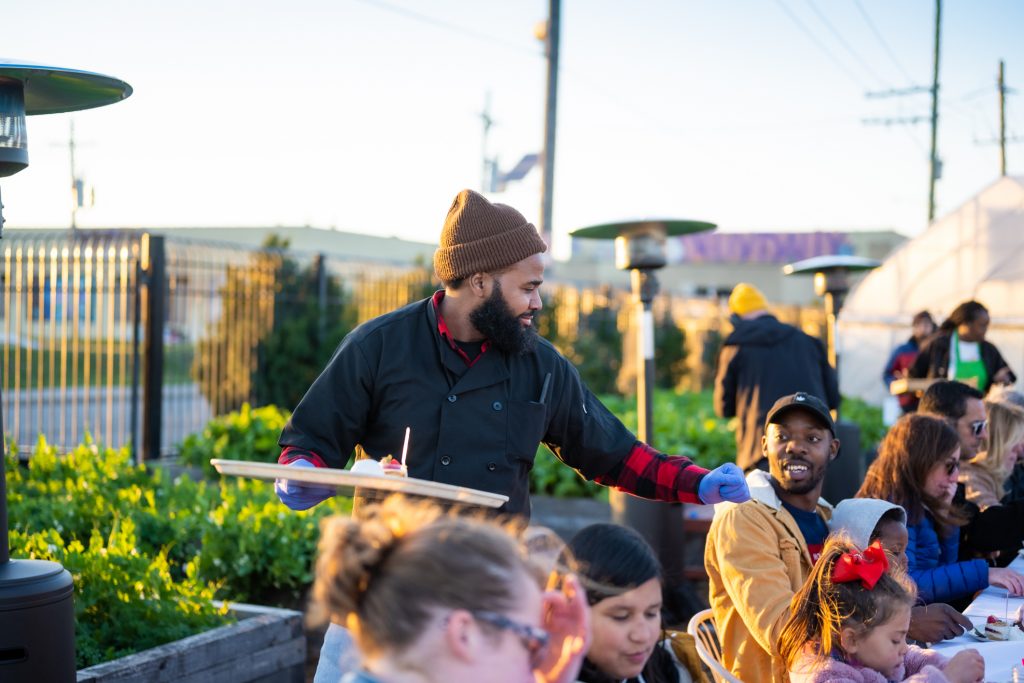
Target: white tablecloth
[(1000, 658)]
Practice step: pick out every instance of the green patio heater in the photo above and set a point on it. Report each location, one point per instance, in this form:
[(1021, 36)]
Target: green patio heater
[(37, 618), (832, 281), (640, 249)]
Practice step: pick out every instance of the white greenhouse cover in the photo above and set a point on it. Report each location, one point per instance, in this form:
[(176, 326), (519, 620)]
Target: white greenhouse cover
[(975, 252)]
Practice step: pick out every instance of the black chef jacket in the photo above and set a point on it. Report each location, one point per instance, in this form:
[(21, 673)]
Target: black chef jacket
[(477, 426)]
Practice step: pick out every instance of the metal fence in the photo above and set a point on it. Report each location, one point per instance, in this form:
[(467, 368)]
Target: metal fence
[(69, 332), (135, 339)]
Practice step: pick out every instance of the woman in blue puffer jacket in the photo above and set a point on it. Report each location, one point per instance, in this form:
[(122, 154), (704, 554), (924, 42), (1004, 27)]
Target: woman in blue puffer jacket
[(917, 466)]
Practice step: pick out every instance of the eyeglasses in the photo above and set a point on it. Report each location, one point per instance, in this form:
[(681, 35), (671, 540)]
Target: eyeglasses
[(534, 639), (952, 466), (978, 427)]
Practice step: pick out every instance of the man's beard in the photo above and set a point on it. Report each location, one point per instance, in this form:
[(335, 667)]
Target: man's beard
[(496, 321)]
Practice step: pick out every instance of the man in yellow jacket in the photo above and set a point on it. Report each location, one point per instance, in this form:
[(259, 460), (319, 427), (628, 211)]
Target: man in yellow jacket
[(760, 552)]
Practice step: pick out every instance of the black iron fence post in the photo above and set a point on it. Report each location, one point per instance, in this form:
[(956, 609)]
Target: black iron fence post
[(321, 296), (155, 286)]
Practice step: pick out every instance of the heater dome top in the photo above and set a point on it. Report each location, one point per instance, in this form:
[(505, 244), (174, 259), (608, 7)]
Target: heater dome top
[(53, 89)]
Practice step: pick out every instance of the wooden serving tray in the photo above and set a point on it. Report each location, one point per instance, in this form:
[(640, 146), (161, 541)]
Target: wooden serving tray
[(347, 481), (906, 385)]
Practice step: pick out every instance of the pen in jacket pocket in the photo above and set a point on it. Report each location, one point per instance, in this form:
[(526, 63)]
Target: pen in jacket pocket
[(544, 389)]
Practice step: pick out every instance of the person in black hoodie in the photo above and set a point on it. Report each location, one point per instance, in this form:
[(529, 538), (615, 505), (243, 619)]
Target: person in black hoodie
[(760, 361)]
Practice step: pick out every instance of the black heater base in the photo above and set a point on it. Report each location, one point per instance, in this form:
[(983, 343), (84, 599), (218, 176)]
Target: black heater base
[(37, 623)]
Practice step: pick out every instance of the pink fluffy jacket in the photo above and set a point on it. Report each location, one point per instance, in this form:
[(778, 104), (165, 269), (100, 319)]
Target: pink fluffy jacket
[(919, 666)]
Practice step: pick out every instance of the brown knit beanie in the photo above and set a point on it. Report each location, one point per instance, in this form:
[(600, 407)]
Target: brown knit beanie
[(481, 237)]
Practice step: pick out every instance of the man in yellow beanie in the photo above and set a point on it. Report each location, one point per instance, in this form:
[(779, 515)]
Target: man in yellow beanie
[(762, 360), (466, 371), (746, 299)]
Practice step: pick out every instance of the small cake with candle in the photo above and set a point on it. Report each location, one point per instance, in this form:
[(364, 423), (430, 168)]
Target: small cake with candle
[(996, 628), (367, 466), (393, 467)]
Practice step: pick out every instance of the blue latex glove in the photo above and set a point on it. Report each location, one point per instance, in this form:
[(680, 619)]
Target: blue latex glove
[(299, 496), (725, 483)]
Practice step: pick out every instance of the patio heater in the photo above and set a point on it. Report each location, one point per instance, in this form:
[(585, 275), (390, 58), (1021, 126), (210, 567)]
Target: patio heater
[(832, 281), (640, 249), (37, 618)]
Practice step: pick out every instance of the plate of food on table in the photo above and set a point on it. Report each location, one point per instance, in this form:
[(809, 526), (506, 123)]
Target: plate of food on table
[(996, 629)]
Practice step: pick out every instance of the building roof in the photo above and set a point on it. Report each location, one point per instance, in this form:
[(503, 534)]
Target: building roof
[(758, 247)]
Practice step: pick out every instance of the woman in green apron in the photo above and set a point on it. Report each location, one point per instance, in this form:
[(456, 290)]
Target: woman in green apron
[(959, 351)]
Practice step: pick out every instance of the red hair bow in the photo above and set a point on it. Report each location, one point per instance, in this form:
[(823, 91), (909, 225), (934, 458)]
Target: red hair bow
[(866, 566)]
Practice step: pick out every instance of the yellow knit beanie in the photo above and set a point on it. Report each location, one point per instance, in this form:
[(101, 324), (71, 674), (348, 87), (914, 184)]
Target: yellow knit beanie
[(746, 298)]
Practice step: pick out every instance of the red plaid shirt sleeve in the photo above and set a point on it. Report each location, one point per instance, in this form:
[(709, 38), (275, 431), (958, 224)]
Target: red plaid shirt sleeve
[(647, 473), (291, 454)]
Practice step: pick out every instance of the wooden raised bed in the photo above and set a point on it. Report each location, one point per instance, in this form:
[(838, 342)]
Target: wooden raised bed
[(265, 645)]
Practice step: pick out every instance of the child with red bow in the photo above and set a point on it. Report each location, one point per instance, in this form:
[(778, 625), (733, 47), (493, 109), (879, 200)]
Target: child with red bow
[(849, 622)]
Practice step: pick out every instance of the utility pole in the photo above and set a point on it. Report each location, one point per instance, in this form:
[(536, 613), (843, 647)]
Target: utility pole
[(934, 164), (550, 108), (487, 178), (1002, 140), (1002, 120)]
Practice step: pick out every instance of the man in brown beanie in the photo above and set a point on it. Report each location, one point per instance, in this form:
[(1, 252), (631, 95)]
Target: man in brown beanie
[(466, 371)]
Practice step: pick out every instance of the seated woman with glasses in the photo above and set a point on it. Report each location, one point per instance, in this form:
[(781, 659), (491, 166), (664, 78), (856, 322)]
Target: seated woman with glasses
[(984, 476), (917, 467), (996, 529), (437, 598), (622, 578)]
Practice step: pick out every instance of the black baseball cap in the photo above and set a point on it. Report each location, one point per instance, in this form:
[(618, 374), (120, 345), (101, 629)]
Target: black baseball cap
[(803, 400)]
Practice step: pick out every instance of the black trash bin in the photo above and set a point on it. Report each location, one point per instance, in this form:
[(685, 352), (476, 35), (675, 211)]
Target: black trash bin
[(37, 623)]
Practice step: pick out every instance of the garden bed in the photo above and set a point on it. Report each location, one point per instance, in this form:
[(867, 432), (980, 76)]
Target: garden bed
[(266, 644)]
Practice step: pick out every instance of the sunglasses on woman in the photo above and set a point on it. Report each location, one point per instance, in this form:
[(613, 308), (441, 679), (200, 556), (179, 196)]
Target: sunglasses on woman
[(534, 639)]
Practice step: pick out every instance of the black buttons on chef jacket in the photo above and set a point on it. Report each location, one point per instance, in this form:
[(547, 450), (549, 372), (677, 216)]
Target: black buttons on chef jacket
[(491, 467), (453, 398), (496, 405), (445, 459)]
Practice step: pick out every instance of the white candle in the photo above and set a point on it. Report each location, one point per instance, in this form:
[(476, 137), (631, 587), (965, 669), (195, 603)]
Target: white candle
[(405, 446)]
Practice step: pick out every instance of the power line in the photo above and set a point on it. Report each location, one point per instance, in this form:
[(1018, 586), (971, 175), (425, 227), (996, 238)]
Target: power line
[(820, 45), (986, 90), (455, 28), (898, 92), (881, 40), (842, 41)]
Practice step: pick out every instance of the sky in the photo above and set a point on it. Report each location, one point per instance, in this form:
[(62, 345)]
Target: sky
[(365, 115)]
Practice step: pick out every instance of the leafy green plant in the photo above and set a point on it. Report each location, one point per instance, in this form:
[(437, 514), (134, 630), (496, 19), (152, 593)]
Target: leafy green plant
[(125, 600), (245, 434), (868, 418), (262, 550), (142, 545)]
